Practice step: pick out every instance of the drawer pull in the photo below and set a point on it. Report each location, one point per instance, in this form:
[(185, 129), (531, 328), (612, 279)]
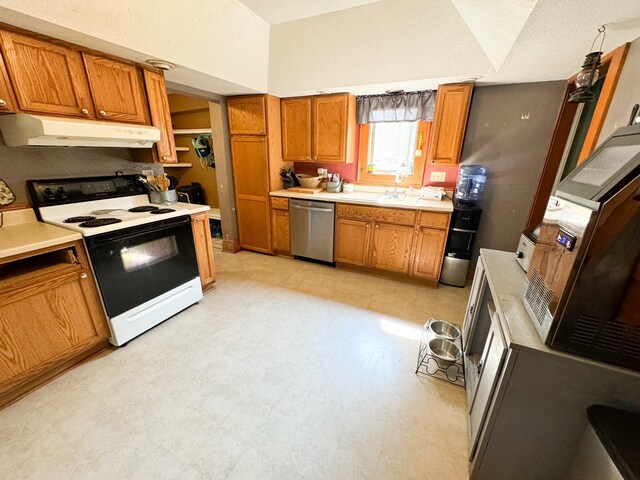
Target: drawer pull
[(83, 275), (84, 112), (102, 113), (3, 102)]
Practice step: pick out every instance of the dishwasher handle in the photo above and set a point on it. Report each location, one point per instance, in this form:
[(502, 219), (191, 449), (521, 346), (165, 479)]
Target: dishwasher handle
[(314, 209)]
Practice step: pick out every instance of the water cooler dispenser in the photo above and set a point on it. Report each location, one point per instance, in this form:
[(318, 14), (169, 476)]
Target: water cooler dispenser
[(464, 224)]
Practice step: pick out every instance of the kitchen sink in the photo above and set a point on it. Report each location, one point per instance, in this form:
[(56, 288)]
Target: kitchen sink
[(398, 201)]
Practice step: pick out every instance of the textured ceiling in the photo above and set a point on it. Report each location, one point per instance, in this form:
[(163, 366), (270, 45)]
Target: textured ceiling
[(279, 11)]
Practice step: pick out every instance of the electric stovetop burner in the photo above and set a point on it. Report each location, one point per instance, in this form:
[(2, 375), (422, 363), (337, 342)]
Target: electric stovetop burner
[(85, 218), (163, 210), (99, 222), (144, 208)]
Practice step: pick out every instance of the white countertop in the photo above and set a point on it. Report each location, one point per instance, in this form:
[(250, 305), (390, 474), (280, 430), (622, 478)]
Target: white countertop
[(22, 233), (369, 198), (193, 208)]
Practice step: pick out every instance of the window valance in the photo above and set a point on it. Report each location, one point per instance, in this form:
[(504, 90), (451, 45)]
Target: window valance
[(396, 107)]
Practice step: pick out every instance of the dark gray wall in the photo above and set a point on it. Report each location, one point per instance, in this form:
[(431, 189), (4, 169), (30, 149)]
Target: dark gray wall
[(509, 131), (19, 164)]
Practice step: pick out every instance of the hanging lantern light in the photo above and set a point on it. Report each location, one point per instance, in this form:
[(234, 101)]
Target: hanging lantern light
[(589, 73)]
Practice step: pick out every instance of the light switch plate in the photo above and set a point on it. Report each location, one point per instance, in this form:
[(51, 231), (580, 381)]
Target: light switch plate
[(438, 176)]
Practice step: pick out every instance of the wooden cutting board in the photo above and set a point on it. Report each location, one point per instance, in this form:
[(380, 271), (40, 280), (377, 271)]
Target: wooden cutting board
[(305, 190)]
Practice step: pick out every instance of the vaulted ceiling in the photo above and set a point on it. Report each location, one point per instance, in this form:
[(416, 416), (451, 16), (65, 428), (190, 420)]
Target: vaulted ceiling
[(290, 47)]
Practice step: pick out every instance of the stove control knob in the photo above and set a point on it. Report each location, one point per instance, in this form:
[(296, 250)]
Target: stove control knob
[(61, 190), (129, 184), (48, 191)]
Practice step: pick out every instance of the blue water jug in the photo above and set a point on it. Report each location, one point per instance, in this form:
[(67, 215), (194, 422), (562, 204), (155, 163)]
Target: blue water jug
[(471, 183)]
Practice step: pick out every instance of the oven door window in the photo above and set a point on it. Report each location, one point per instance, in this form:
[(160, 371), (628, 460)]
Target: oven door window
[(137, 264)]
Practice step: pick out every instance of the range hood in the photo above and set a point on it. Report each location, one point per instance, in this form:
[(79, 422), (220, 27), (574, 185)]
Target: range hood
[(35, 130)]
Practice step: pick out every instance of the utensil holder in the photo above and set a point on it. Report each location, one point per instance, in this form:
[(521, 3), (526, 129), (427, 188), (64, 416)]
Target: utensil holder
[(163, 198), (334, 187)]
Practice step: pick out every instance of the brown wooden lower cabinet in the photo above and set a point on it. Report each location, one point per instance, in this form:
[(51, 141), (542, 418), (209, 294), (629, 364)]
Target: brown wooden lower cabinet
[(391, 247), (352, 240), (204, 249), (391, 240), (280, 232), (429, 253), (50, 317)]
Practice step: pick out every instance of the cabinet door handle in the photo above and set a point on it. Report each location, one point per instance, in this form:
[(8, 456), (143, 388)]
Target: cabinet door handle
[(368, 225), (102, 113), (308, 158), (83, 275), (3, 102), (315, 158), (166, 157), (85, 112), (377, 226), (261, 131)]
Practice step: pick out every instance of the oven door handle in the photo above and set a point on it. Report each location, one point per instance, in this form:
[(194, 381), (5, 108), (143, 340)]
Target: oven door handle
[(142, 231)]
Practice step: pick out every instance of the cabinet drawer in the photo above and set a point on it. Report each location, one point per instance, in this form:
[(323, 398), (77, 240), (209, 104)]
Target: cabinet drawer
[(279, 203), (433, 220), (389, 215)]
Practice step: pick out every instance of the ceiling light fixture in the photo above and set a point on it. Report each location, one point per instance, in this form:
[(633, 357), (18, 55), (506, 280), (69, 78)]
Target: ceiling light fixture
[(589, 73), (161, 64)]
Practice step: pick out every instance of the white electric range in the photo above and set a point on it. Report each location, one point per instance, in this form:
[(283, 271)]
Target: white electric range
[(143, 255)]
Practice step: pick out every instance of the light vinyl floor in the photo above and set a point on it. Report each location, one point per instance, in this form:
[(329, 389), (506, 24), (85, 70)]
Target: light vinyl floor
[(287, 370)]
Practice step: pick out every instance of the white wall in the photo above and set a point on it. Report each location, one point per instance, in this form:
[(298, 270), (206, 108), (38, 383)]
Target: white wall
[(627, 93), (380, 43), (220, 45)]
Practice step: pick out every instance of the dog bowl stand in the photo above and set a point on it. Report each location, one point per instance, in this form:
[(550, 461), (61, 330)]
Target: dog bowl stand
[(431, 366)]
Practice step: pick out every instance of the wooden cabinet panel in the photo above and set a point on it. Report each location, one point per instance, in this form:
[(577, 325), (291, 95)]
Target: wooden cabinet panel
[(280, 231), (7, 100), (254, 227), (280, 203), (247, 115), (48, 78), (388, 215), (296, 128), (330, 128), (43, 324), (204, 248), (250, 174), (429, 253), (161, 116), (116, 89), (352, 241), (433, 220), (391, 247), (449, 123), (250, 166)]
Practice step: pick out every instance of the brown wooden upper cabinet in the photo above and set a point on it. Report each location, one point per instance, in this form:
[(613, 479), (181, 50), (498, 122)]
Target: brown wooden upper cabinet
[(48, 78), (450, 122), (116, 88), (161, 116), (7, 100), (319, 129), (247, 115), (296, 128)]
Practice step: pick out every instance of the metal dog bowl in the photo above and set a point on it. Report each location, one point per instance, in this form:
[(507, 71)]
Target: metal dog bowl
[(445, 350), (443, 329)]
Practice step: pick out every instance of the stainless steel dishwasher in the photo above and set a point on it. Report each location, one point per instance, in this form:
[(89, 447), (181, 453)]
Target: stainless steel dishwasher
[(312, 229)]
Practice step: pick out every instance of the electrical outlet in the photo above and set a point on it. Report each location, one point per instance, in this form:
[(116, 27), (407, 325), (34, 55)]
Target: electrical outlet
[(146, 173), (438, 176)]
